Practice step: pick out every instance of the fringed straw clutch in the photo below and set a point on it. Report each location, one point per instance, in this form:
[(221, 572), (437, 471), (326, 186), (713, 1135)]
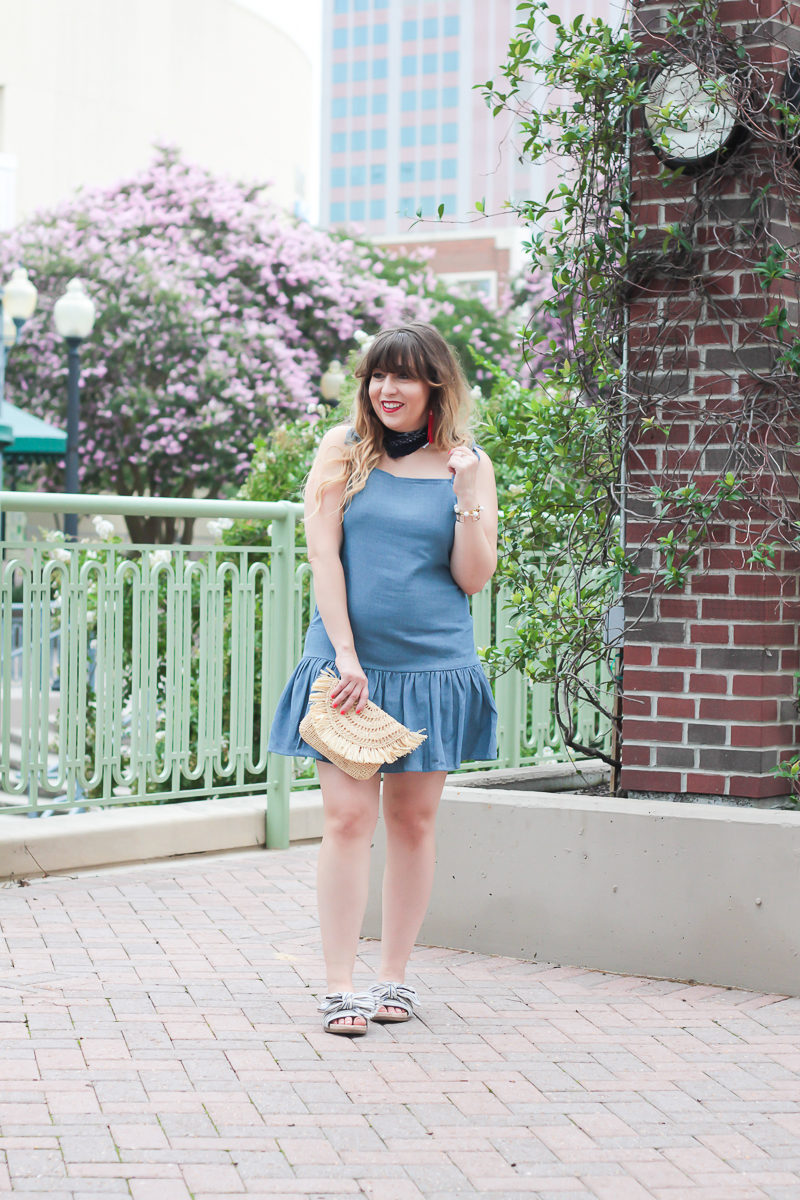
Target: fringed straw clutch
[(358, 743)]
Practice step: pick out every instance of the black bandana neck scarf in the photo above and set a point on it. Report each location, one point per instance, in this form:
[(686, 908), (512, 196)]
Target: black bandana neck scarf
[(398, 445)]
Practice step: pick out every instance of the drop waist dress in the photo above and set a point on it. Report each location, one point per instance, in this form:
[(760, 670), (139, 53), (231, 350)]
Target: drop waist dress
[(411, 625)]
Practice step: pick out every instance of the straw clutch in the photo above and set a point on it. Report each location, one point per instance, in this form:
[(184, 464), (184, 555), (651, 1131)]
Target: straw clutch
[(358, 743)]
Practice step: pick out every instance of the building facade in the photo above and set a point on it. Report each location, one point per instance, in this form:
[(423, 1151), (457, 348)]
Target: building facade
[(405, 131), (87, 89), (403, 128)]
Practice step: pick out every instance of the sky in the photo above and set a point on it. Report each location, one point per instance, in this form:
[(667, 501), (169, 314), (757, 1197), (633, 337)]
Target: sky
[(302, 20)]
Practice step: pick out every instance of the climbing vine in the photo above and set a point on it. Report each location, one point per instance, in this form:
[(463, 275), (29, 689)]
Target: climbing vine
[(641, 270)]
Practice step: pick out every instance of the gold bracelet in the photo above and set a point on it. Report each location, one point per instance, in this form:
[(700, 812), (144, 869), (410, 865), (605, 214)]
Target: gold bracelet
[(467, 514)]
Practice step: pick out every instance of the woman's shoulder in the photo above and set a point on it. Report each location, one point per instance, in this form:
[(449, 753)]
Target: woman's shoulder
[(478, 451), (336, 437), (331, 453)]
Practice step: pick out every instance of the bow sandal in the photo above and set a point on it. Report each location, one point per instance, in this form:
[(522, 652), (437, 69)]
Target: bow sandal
[(336, 1005), (393, 995)]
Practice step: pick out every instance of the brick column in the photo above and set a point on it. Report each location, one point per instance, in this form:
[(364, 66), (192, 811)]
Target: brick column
[(709, 678)]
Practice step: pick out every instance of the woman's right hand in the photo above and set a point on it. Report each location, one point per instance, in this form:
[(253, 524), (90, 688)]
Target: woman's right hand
[(352, 688)]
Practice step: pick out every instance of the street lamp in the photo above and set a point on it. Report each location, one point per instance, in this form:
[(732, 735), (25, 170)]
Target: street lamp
[(19, 297), (73, 314), (332, 382), (17, 303)]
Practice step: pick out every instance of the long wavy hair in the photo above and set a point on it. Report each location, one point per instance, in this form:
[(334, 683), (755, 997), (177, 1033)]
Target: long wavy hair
[(420, 352)]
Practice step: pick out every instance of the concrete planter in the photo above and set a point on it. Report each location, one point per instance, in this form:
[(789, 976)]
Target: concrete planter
[(698, 892), (144, 833), (702, 892)]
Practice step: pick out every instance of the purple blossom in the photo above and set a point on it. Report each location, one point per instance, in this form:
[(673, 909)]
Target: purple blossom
[(217, 315)]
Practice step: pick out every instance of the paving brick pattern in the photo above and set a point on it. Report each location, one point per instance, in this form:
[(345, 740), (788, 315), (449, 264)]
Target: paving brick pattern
[(159, 1041)]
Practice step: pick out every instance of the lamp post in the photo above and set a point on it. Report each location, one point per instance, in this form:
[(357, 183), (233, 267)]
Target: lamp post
[(331, 383), (17, 303), (74, 314)]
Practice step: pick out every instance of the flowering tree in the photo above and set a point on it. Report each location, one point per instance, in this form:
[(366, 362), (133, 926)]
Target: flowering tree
[(217, 315)]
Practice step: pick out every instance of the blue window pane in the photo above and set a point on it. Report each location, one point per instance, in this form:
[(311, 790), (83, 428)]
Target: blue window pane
[(409, 102), (338, 143), (380, 68), (361, 5), (339, 107), (337, 213), (359, 106), (408, 135), (430, 27), (428, 135), (340, 6), (409, 64), (450, 97), (428, 206), (427, 168), (407, 206), (377, 173), (337, 177), (359, 71), (378, 139), (340, 38), (358, 140), (381, 3), (358, 176), (340, 72), (409, 31), (429, 98), (450, 61), (430, 64), (379, 102), (377, 210), (450, 131), (450, 26), (449, 203), (408, 172), (449, 168), (357, 210), (380, 34), (360, 35)]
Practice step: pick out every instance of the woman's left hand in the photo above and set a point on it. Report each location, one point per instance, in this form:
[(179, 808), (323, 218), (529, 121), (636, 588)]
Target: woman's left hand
[(464, 464)]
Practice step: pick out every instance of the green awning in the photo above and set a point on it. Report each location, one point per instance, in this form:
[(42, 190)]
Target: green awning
[(33, 437)]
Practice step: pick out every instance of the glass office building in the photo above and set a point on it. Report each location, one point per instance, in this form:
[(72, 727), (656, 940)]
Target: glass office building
[(403, 128)]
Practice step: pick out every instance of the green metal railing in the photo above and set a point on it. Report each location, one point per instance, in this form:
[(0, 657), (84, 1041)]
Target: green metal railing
[(171, 660)]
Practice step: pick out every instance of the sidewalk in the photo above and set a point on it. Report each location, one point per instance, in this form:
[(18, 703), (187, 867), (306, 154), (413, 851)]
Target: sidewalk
[(159, 1041)]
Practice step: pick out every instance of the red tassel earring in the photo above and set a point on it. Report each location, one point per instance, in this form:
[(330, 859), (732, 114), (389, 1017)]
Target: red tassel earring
[(430, 426)]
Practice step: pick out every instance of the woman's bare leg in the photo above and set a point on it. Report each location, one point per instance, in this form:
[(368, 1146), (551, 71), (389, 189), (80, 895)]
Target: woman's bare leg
[(350, 813), (410, 803)]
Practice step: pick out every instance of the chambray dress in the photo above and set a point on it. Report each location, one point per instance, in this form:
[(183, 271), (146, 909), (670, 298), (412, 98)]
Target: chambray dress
[(411, 625)]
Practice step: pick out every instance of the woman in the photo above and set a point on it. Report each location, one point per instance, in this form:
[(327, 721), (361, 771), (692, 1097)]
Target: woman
[(401, 524)]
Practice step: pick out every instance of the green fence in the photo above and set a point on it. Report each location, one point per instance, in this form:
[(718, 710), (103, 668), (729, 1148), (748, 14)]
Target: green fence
[(143, 673)]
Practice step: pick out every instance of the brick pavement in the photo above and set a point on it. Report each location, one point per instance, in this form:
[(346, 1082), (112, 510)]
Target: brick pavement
[(159, 1041)]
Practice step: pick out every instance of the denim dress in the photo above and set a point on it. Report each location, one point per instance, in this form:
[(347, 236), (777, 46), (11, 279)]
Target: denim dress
[(411, 625)]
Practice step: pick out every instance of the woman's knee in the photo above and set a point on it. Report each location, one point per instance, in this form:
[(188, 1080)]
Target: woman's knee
[(413, 822), (412, 829), (350, 823)]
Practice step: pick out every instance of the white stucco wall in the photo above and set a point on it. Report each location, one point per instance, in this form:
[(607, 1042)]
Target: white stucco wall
[(87, 87)]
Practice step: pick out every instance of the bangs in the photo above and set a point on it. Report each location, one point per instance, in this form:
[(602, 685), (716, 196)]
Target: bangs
[(395, 352)]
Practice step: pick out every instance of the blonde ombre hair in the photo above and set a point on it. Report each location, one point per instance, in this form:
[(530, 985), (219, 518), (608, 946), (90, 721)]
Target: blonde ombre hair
[(420, 352)]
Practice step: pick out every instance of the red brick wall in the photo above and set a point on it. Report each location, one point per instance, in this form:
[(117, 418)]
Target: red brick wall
[(709, 676)]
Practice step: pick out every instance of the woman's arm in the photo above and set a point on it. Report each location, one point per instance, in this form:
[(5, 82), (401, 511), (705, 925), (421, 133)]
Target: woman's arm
[(323, 523), (473, 559)]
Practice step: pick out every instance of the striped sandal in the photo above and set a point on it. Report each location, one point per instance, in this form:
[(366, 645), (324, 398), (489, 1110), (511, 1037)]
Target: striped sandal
[(336, 1005), (395, 995)]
